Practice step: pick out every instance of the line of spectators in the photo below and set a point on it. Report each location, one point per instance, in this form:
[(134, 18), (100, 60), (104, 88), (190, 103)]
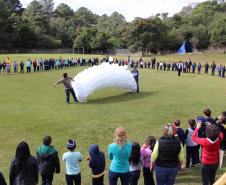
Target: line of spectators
[(52, 64), (164, 157), (185, 67)]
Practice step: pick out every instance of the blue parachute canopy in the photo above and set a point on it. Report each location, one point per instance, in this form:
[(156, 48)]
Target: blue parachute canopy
[(185, 48)]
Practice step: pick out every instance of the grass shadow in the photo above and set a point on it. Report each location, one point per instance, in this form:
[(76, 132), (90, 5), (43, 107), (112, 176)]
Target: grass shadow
[(124, 97)]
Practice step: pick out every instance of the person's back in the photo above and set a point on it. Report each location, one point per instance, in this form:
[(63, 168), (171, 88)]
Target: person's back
[(169, 149), (48, 161), (72, 159), (27, 175), (24, 167), (119, 156)]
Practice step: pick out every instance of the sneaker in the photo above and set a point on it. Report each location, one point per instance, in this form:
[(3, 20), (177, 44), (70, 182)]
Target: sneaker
[(76, 101)]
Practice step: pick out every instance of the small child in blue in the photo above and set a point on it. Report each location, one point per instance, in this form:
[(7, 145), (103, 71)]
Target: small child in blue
[(72, 159), (97, 164)]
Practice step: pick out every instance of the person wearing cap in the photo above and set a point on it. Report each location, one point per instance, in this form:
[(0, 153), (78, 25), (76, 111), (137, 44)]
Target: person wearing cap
[(167, 157), (97, 164), (72, 159), (48, 161), (135, 73)]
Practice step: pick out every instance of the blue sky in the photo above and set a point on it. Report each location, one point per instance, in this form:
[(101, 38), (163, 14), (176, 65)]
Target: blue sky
[(129, 8)]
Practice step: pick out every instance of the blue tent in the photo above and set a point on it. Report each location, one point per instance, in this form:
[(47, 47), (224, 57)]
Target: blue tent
[(185, 48)]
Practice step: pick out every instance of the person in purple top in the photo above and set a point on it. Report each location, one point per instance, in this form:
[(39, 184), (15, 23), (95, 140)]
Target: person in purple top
[(146, 151), (66, 81)]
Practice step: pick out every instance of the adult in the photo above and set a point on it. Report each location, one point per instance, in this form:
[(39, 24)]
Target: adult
[(167, 157), (24, 167), (28, 65), (21, 67), (2, 179), (213, 67), (210, 152), (135, 73), (179, 68), (48, 161), (199, 68), (206, 66), (223, 71), (119, 152), (66, 81)]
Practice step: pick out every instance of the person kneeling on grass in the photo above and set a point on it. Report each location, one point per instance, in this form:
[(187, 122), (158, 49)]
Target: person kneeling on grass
[(66, 80), (72, 159), (210, 152), (97, 164)]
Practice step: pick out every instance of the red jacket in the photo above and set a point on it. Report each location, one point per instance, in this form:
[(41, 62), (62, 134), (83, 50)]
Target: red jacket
[(210, 149)]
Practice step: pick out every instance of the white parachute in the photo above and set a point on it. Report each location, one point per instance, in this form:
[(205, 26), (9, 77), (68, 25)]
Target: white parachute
[(103, 76)]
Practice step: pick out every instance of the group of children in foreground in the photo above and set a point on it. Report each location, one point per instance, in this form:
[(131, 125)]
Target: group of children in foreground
[(139, 157)]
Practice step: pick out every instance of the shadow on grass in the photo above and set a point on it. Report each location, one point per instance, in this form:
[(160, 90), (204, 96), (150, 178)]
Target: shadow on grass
[(125, 97)]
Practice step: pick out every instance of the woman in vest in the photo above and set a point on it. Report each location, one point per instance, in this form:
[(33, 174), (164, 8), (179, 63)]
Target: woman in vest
[(119, 152), (167, 157)]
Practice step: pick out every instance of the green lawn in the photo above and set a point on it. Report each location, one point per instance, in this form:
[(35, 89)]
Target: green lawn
[(203, 58), (31, 108)]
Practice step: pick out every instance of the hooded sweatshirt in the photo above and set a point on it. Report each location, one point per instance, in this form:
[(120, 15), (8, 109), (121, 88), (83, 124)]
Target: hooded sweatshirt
[(210, 148), (48, 160), (97, 161)]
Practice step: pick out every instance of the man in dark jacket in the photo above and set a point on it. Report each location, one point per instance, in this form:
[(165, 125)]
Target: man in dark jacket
[(2, 179), (135, 73), (48, 161)]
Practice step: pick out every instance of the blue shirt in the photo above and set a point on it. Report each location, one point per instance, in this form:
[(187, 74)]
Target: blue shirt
[(119, 156), (72, 160)]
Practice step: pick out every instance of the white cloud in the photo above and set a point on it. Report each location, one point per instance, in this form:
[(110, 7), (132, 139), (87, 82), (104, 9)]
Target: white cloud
[(129, 8)]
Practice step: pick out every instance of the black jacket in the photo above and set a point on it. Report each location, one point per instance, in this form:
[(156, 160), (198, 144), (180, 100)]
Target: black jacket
[(48, 161), (2, 179), (24, 173)]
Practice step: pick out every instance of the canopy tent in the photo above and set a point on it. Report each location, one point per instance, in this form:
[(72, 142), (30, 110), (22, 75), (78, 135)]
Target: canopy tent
[(186, 47)]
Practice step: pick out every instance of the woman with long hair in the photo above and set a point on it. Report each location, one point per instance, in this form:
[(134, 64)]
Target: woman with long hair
[(24, 167), (135, 164), (119, 152)]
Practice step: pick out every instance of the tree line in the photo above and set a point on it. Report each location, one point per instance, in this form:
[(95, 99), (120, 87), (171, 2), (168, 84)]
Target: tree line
[(40, 25)]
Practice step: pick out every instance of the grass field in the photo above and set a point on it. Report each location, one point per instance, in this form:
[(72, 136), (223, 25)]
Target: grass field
[(203, 58), (31, 108)]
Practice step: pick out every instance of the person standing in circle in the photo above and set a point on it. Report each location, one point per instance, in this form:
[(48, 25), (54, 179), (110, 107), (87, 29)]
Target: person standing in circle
[(135, 73), (119, 153), (66, 80)]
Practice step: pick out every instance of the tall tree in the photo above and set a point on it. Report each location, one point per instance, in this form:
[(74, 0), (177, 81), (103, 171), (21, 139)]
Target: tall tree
[(64, 11)]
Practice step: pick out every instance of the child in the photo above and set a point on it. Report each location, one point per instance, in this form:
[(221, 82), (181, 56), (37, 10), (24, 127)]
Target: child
[(97, 164), (180, 132), (192, 148), (72, 159), (135, 164), (146, 152)]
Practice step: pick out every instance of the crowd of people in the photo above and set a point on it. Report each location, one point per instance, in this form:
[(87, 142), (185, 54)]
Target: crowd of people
[(162, 158), (37, 65)]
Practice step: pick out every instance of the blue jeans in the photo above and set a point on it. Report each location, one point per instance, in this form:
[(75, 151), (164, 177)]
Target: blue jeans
[(165, 176), (114, 176), (134, 177)]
